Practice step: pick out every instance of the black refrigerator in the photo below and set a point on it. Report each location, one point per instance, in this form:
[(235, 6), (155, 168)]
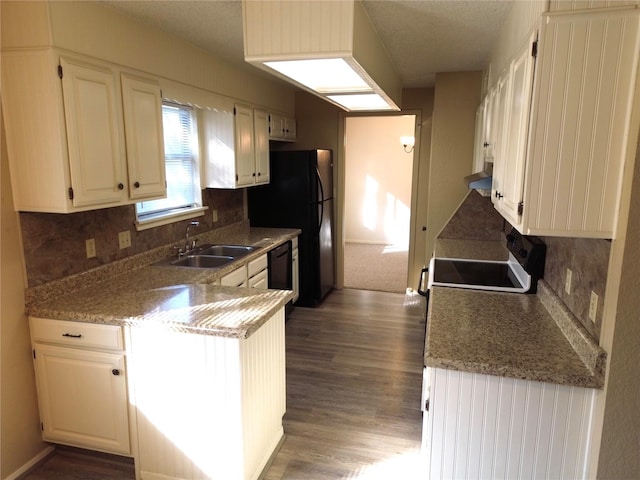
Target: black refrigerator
[(300, 195)]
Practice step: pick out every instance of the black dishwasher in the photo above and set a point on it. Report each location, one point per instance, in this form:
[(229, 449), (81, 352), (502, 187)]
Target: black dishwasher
[(280, 267)]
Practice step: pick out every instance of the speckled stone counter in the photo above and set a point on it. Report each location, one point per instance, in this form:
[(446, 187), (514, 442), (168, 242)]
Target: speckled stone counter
[(531, 337), (182, 299)]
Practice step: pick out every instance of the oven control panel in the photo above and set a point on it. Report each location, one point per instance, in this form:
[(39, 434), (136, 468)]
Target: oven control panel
[(528, 251)]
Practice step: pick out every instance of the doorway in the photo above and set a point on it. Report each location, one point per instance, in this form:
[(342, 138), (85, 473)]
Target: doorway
[(377, 201)]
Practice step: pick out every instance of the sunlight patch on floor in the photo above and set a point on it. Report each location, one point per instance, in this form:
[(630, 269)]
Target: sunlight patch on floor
[(406, 466)]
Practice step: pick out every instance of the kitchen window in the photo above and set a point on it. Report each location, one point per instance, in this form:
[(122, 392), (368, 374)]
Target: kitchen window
[(184, 197)]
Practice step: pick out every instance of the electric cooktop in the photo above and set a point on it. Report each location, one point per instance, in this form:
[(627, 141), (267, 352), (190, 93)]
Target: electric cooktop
[(520, 273)]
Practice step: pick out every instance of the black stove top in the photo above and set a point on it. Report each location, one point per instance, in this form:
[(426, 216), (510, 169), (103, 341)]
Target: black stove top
[(518, 274), (475, 273)]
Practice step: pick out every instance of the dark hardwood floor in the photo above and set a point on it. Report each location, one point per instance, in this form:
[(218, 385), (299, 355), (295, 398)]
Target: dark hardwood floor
[(354, 372)]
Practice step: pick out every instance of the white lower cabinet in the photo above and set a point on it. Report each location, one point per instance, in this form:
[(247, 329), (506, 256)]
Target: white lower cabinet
[(207, 407), (82, 384), (295, 270), (483, 426), (237, 278), (253, 275)]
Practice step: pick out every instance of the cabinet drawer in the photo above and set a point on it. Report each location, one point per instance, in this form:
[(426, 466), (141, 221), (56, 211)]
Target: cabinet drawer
[(77, 334), (235, 278), (257, 265)]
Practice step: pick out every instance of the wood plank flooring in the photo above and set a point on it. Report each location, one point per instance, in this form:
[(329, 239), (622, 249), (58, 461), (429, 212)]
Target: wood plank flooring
[(354, 372)]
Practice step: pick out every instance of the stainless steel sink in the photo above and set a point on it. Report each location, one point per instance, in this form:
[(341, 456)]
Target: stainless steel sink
[(202, 261), (224, 250), (209, 256)]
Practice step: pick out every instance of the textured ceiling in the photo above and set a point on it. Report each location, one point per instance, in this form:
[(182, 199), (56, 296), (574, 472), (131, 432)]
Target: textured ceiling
[(422, 36)]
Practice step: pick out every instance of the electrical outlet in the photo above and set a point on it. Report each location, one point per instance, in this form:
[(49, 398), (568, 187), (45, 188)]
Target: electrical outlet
[(214, 214), (124, 239), (567, 282), (593, 306), (90, 245)]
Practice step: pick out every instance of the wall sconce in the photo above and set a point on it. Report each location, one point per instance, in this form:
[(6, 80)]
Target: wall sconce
[(407, 143)]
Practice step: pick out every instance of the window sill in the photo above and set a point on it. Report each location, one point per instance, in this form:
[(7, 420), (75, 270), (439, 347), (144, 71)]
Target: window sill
[(166, 219)]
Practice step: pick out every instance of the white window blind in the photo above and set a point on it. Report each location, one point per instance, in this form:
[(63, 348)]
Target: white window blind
[(180, 147)]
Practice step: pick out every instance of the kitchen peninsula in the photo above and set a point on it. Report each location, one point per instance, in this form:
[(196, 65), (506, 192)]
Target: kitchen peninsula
[(189, 374)]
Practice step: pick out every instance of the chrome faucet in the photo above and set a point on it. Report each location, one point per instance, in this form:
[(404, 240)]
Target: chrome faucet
[(190, 244)]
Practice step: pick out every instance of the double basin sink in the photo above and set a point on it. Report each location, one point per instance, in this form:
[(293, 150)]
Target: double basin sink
[(209, 256)]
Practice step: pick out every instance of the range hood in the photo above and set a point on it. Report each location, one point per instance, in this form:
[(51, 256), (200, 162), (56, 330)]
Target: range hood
[(481, 180), (328, 48)]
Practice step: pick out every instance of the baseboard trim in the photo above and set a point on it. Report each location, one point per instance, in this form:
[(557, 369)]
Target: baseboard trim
[(33, 463)]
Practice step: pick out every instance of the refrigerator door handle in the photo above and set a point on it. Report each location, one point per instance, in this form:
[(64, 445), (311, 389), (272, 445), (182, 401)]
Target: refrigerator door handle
[(320, 184), (319, 179)]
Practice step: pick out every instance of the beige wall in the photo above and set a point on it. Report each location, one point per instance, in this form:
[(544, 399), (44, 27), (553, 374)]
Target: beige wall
[(20, 437), (457, 96), (378, 176), (420, 100), (619, 455)]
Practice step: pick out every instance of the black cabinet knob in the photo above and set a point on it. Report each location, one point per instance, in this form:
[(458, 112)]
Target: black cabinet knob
[(120, 186), (115, 371), (136, 184)]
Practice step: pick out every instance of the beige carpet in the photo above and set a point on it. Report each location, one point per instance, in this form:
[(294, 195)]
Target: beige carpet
[(375, 267)]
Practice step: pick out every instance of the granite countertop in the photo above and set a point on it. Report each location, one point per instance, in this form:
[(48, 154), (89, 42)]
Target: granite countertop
[(524, 336), (182, 299)]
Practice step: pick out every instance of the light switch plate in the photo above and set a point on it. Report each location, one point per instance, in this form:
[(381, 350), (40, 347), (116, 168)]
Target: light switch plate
[(90, 246), (124, 239), (567, 282), (214, 215), (593, 306)]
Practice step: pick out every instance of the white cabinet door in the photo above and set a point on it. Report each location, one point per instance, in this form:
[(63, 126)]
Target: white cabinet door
[(96, 147), (261, 146), (497, 141), (237, 278), (483, 426), (276, 126), (516, 114), (290, 129), (295, 273), (142, 106), (244, 146), (235, 147), (83, 398), (480, 137), (581, 124), (259, 280)]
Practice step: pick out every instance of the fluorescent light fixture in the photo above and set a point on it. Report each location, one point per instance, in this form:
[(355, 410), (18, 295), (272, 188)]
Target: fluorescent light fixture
[(328, 48), (361, 101), (323, 75)]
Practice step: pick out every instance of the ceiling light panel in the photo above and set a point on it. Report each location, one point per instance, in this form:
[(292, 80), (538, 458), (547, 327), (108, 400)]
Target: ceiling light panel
[(327, 48)]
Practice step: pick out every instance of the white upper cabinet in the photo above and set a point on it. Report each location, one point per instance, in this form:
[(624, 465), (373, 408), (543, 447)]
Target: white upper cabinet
[(142, 102), (497, 133), (94, 134), (578, 133), (66, 137), (281, 127), (481, 136), (508, 193), (236, 147)]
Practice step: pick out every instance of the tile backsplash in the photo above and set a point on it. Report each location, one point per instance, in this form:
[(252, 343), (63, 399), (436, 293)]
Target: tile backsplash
[(588, 260), (54, 244)]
